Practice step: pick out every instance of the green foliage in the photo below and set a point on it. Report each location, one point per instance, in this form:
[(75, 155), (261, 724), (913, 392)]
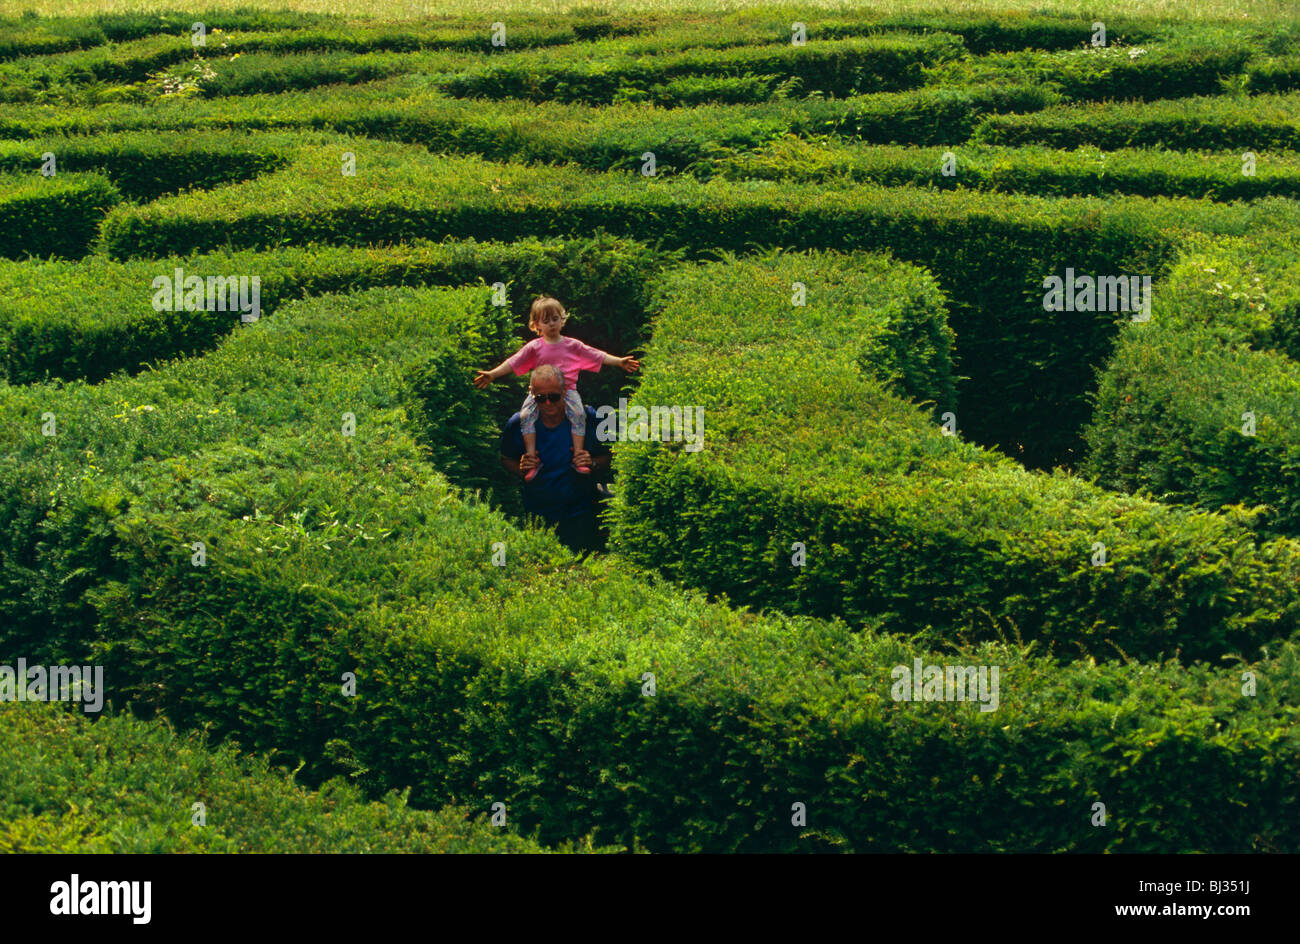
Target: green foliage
[(52, 216), (121, 62), (835, 67), (1259, 123), (1096, 73), (990, 34), (287, 31), (147, 165), (1274, 75), (605, 138), (926, 115), (371, 554), (699, 90), (989, 252), (1084, 171), (1223, 342), (123, 785), (263, 73), (522, 684), (899, 521), (92, 318)]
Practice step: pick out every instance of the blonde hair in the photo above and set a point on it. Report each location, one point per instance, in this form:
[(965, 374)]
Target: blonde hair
[(542, 306)]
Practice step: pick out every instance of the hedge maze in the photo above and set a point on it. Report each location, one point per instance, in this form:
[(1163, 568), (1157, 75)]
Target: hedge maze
[(245, 285)]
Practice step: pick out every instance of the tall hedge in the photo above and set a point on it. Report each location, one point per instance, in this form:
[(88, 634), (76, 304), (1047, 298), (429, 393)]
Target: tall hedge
[(1108, 73), (91, 318), (835, 67), (523, 684), (895, 519), (600, 138), (126, 786), (990, 253), (52, 216), (1202, 405), (1259, 124), (1083, 171), (145, 165)]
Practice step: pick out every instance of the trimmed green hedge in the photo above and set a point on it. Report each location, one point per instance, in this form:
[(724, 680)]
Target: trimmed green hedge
[(1259, 123), (980, 32), (1081, 172), (1013, 31), (52, 216), (843, 67), (1224, 341), (286, 58), (123, 785), (92, 318), (269, 73), (898, 520), (599, 138), (1029, 370), (1096, 73), (926, 115), (33, 35), (130, 426), (145, 165), (121, 62), (294, 32), (331, 554), (522, 683), (40, 41), (1274, 75)]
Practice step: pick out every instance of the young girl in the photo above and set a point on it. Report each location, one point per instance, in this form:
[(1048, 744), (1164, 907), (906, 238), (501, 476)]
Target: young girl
[(546, 318)]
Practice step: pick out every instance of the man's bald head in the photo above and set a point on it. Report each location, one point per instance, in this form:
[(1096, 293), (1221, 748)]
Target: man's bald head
[(547, 372)]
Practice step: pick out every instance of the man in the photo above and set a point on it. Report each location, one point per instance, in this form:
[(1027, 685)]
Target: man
[(557, 493)]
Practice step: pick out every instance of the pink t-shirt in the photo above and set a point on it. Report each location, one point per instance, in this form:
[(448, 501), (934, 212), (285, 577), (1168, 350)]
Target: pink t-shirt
[(568, 354)]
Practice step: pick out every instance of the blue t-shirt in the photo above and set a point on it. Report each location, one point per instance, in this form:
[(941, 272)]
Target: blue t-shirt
[(556, 491)]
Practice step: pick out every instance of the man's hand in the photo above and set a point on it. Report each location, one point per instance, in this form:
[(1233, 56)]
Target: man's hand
[(519, 466), (483, 379), (629, 364), (583, 458)]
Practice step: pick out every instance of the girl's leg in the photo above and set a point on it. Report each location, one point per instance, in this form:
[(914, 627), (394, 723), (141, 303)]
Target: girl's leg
[(528, 427), (577, 417)]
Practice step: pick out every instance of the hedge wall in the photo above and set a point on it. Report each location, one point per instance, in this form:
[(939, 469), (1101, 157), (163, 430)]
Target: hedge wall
[(924, 116), (523, 683), (91, 318), (1274, 75), (52, 216), (1224, 341), (601, 138), (899, 520), (1081, 172), (1098, 73), (1259, 123), (1012, 31), (835, 67), (33, 35), (133, 428), (990, 253), (608, 138), (125, 62), (293, 32), (145, 165), (126, 786)]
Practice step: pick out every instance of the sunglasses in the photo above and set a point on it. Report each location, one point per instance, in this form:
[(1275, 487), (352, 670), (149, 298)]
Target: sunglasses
[(548, 397)]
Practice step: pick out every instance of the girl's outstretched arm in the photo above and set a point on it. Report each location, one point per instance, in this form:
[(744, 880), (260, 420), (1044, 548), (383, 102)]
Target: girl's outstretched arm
[(485, 377), (629, 363)]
